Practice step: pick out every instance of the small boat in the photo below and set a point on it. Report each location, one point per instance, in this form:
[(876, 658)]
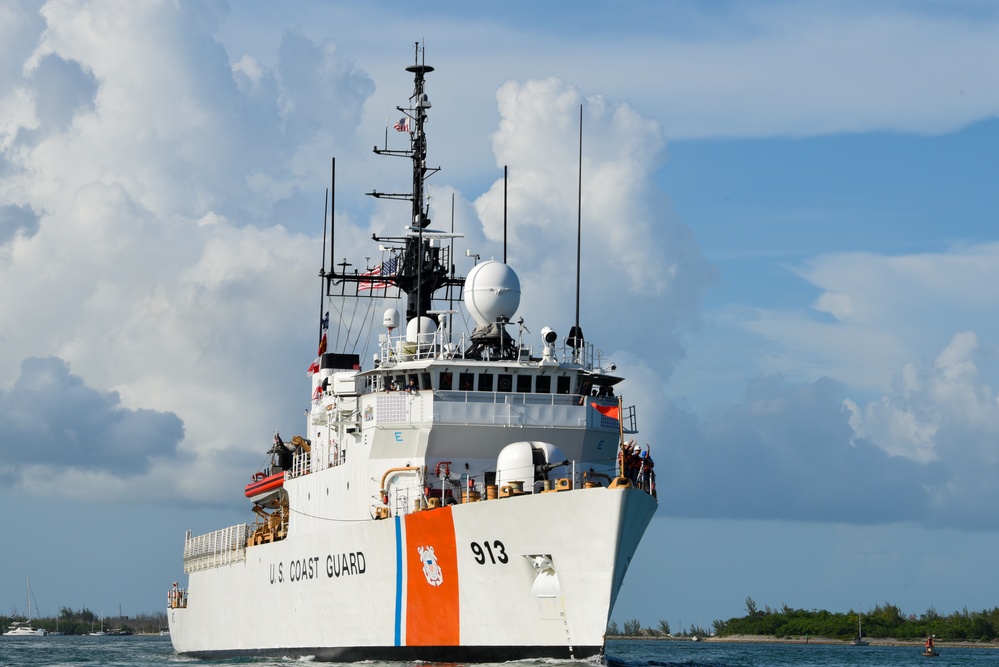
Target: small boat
[(859, 639), (930, 651), (24, 628), (262, 487), (98, 633)]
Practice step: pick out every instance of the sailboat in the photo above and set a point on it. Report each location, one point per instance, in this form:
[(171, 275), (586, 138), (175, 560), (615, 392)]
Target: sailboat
[(859, 639), (101, 633), (23, 628)]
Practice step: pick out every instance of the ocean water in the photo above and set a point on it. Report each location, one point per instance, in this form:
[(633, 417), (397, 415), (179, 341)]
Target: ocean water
[(156, 651)]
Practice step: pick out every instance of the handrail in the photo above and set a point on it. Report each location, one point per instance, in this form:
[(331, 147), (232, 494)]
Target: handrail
[(217, 548), (392, 470), (398, 348)]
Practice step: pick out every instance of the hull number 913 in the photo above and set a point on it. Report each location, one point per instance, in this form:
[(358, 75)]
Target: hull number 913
[(494, 551)]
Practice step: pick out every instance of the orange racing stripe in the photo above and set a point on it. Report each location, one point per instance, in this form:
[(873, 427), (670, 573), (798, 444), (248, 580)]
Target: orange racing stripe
[(432, 611)]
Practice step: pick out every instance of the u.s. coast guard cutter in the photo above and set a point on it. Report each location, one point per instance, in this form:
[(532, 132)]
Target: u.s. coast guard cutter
[(467, 498)]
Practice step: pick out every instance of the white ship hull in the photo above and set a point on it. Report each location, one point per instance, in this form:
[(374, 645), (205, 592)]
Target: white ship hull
[(25, 632), (359, 592)]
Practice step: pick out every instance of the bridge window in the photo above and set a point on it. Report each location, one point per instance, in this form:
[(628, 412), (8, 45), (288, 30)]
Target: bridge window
[(466, 381), (505, 382), (543, 384), (445, 381), (524, 384), (485, 381), (563, 384)]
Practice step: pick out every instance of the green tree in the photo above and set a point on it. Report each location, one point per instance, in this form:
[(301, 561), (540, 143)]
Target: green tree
[(613, 630), (663, 627), (632, 628), (697, 631)]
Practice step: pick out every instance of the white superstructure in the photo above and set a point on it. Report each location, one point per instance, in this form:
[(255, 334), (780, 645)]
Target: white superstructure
[(467, 498)]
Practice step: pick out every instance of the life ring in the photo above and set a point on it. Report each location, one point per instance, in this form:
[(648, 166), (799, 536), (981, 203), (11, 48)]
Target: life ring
[(258, 477)]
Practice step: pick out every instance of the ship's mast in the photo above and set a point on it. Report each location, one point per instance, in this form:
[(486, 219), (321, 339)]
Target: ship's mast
[(420, 263)]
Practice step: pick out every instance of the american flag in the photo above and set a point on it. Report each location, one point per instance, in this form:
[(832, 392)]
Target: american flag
[(386, 268), (402, 125)]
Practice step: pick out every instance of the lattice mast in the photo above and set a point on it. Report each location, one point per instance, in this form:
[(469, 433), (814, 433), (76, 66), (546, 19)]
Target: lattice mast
[(420, 262)]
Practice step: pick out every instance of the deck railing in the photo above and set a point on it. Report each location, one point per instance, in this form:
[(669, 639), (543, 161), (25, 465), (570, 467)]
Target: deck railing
[(220, 547), (441, 345)]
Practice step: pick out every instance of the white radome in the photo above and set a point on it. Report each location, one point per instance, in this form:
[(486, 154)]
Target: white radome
[(492, 291)]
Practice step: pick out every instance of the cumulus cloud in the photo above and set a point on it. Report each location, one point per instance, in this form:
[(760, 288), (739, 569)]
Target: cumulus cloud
[(922, 452), (874, 313), (945, 415), (898, 358), (154, 188), (52, 421), (152, 192), (16, 220), (787, 451), (635, 253)]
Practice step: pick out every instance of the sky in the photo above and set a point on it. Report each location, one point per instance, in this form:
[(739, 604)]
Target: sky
[(790, 250)]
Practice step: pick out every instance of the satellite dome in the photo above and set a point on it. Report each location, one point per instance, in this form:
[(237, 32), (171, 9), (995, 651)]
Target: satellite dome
[(390, 319), (492, 291), (426, 326)]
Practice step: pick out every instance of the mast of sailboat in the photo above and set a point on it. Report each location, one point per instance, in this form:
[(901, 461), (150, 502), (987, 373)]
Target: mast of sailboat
[(28, 578)]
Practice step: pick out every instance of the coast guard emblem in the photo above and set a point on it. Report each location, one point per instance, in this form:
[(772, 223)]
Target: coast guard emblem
[(431, 570)]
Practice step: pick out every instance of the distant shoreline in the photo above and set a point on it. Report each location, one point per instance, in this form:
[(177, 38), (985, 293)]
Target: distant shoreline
[(769, 639)]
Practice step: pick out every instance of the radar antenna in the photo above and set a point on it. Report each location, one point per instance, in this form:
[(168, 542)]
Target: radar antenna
[(419, 263)]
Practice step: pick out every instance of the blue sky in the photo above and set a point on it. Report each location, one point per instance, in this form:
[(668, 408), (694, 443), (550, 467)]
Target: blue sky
[(790, 244)]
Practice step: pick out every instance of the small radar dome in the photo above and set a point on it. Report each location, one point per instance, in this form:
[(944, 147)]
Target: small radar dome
[(492, 290), (390, 319)]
